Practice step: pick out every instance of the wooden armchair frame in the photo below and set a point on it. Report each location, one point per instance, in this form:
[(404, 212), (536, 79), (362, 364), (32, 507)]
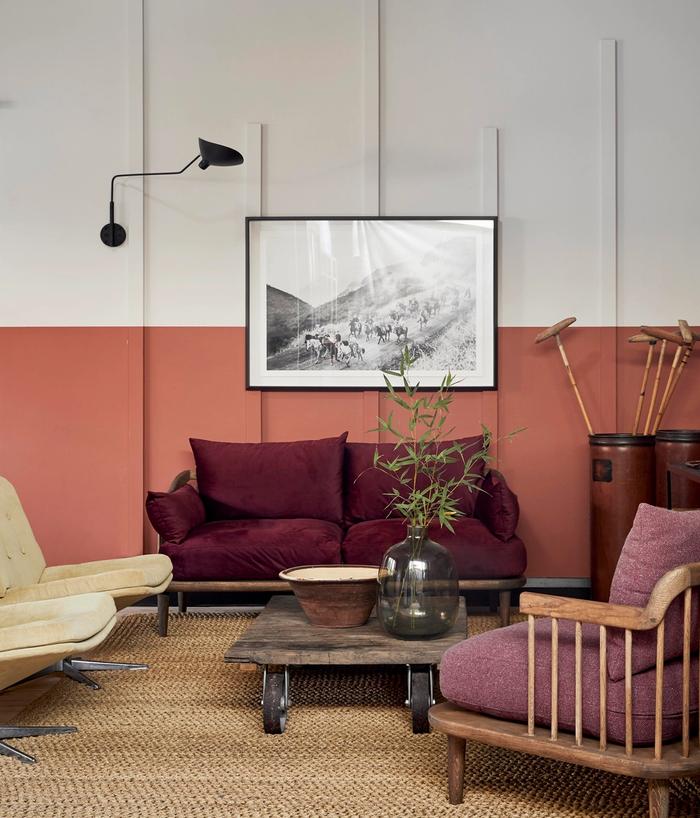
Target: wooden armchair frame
[(502, 586), (656, 764)]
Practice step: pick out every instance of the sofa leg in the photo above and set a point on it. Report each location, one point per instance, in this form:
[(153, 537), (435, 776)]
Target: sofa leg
[(493, 601), (456, 750), (658, 799), (163, 611), (504, 607), (181, 602)]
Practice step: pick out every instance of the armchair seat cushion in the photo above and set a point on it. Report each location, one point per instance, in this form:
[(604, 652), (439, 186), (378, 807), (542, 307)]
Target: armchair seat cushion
[(253, 549), (478, 554), (488, 674), (54, 621)]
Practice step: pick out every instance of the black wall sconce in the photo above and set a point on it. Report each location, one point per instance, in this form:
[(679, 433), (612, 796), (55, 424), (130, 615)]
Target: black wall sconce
[(210, 153)]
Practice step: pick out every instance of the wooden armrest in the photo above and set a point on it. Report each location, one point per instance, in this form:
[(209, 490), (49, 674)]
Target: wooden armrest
[(584, 610), (182, 479)]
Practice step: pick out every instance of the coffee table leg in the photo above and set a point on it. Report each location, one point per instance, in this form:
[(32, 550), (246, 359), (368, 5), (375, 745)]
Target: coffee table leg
[(275, 698), (420, 696)]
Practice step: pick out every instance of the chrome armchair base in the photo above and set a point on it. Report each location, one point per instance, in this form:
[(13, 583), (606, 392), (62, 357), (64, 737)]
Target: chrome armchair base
[(26, 732), (73, 669)]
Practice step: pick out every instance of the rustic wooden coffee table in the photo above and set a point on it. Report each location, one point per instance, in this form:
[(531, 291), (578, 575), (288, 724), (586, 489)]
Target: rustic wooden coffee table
[(281, 637)]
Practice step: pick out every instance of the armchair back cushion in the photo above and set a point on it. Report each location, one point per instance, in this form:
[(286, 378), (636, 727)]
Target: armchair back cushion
[(21, 560), (175, 514), (300, 479), (659, 541), (366, 488)]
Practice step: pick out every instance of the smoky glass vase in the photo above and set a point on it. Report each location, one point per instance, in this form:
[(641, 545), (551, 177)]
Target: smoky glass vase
[(418, 596)]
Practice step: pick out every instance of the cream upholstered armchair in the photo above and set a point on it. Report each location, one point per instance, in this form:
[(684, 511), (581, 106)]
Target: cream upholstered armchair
[(37, 635), (25, 577)]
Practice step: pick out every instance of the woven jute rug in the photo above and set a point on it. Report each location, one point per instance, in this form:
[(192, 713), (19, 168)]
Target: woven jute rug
[(185, 740)]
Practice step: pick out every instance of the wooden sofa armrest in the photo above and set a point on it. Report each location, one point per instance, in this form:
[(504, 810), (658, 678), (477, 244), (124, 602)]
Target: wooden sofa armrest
[(182, 479)]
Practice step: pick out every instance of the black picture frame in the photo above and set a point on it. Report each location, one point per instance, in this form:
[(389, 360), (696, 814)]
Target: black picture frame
[(492, 384)]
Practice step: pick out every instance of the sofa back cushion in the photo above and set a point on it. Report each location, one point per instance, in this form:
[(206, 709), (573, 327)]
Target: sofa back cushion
[(174, 514), (366, 488), (303, 478), (659, 541)]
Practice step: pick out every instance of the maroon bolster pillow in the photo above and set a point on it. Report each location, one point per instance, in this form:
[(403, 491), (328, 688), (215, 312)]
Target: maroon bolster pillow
[(174, 514), (366, 488), (497, 507), (300, 479), (659, 541)]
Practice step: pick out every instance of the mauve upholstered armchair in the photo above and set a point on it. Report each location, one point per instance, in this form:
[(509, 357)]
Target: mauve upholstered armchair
[(613, 686)]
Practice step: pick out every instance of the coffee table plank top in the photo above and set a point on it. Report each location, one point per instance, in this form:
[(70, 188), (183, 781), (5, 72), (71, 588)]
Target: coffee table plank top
[(282, 635)]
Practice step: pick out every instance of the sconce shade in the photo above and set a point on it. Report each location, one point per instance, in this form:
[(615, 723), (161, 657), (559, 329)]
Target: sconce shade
[(220, 155)]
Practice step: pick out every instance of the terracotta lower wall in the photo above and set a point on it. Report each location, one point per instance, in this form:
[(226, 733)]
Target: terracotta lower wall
[(70, 412)]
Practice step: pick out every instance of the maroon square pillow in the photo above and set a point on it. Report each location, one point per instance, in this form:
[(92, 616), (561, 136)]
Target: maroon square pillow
[(366, 488), (497, 506), (174, 514), (293, 480), (659, 541)]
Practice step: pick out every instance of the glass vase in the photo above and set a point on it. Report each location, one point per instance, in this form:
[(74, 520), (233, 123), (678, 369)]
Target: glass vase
[(418, 596)]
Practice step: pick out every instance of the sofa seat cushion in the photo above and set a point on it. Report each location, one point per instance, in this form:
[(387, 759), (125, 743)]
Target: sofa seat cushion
[(488, 674), (253, 549), (478, 554), (244, 481), (366, 487)]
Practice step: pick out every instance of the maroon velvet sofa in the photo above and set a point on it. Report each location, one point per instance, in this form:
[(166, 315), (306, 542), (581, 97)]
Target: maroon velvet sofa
[(260, 508)]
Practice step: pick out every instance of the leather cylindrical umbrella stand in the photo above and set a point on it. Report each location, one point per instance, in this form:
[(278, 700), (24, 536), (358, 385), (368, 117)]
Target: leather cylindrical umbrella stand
[(676, 446), (623, 476)]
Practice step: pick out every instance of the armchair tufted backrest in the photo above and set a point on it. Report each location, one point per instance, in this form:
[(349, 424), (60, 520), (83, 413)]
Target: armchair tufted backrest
[(21, 560)]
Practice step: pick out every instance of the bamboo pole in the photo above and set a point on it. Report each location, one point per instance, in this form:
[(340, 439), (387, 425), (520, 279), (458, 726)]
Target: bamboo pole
[(651, 341), (659, 366), (555, 332)]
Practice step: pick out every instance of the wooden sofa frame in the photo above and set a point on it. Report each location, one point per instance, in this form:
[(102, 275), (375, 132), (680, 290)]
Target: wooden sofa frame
[(501, 586), (656, 764)]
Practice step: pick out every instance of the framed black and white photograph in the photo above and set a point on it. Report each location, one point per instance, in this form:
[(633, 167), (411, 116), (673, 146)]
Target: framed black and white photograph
[(333, 302)]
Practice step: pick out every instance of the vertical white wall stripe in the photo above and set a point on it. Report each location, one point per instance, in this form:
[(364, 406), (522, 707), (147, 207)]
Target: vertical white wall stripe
[(607, 283), (254, 207), (132, 194), (489, 171), (134, 249), (371, 186), (608, 183), (371, 183), (253, 169), (490, 405)]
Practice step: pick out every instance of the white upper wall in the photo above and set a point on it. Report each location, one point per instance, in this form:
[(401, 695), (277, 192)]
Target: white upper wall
[(448, 67), (210, 68), (64, 131)]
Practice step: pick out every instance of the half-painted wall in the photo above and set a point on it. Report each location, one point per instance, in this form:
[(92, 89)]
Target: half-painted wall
[(365, 107)]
